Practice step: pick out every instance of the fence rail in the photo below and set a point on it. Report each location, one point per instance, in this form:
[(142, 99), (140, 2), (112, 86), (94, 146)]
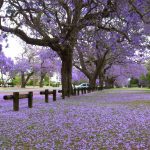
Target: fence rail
[(16, 96), (47, 93)]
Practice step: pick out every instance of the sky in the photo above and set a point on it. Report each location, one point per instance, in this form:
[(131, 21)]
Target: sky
[(14, 48)]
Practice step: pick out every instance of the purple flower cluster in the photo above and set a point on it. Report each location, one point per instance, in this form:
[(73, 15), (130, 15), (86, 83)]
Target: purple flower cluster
[(100, 120)]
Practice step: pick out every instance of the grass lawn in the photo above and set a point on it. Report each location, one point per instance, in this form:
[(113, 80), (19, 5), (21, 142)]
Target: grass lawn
[(133, 88)]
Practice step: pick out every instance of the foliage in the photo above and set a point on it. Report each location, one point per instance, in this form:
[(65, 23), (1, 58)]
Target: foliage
[(59, 24), (16, 80)]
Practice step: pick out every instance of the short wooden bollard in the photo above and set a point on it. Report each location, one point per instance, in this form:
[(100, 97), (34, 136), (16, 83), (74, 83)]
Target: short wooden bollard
[(72, 91), (30, 99), (54, 95), (16, 101), (75, 91), (47, 93), (16, 96), (92, 89), (88, 89), (84, 90), (63, 95), (78, 91)]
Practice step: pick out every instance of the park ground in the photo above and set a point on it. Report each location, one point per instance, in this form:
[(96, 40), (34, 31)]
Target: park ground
[(117, 119)]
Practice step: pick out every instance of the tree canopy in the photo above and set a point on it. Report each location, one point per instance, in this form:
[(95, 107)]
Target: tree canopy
[(63, 25)]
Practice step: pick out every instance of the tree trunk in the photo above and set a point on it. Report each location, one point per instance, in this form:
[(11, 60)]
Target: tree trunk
[(41, 79), (2, 80), (109, 83), (92, 82), (101, 81), (23, 80), (66, 73)]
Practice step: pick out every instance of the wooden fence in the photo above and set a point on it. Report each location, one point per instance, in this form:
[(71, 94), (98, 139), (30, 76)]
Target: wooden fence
[(47, 93), (16, 96)]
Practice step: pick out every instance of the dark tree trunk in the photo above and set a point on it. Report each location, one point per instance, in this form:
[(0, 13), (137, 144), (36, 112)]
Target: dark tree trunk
[(23, 84), (109, 83), (66, 73), (92, 82), (101, 81), (42, 79), (25, 80)]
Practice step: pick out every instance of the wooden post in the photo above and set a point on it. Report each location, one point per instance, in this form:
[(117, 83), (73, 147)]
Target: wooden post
[(54, 95), (89, 89), (68, 95), (92, 89), (75, 92), (46, 95), (78, 90), (72, 91), (82, 90), (30, 99), (16, 101), (63, 94)]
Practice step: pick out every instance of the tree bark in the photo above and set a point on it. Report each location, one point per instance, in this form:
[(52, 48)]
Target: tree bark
[(109, 83), (41, 79), (23, 80), (101, 81), (92, 82), (66, 72)]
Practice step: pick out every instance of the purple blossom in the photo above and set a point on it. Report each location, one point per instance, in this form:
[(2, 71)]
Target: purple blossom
[(110, 119)]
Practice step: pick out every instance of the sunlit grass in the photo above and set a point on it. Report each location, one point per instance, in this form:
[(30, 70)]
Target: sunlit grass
[(132, 88), (136, 102)]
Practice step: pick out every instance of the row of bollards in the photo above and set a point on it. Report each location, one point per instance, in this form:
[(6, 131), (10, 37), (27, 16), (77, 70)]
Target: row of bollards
[(16, 96)]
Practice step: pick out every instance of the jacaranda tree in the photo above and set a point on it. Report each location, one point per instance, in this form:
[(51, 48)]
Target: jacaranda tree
[(25, 64), (119, 75), (56, 24), (46, 63), (97, 51), (6, 69)]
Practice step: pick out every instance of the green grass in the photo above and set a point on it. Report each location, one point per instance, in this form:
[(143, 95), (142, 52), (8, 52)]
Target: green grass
[(132, 103), (132, 88), (139, 102)]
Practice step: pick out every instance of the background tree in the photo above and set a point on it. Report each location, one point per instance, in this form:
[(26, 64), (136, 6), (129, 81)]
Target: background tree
[(119, 75), (25, 65), (6, 69), (78, 77), (97, 51), (56, 24), (46, 63)]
